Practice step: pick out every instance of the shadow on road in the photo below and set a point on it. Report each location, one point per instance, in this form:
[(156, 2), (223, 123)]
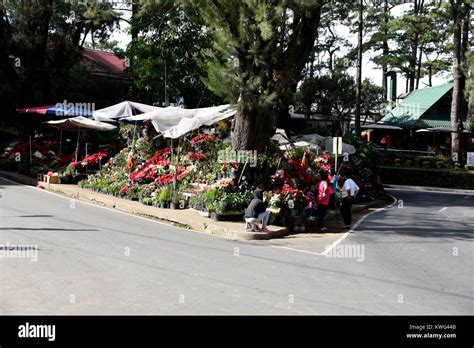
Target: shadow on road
[(46, 229)]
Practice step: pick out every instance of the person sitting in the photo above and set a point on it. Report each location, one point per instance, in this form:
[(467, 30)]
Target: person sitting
[(257, 211)]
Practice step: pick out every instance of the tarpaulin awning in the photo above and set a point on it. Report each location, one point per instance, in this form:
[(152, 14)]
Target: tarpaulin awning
[(281, 137), (149, 115), (35, 109), (122, 110), (174, 123), (326, 143), (81, 123)]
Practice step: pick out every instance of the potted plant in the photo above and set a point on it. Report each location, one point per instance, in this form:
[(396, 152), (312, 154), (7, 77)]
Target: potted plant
[(175, 200), (164, 197)]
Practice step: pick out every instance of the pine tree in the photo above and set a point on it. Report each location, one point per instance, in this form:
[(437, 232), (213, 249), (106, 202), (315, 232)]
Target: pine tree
[(460, 11), (269, 43)]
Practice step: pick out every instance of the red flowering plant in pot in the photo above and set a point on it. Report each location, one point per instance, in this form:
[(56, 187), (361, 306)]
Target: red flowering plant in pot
[(153, 168), (202, 143), (90, 161), (323, 162)]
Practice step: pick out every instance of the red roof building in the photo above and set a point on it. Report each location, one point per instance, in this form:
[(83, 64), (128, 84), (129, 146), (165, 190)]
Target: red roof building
[(102, 62), (111, 84)]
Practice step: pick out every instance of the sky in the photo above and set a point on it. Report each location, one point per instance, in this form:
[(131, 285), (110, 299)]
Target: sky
[(369, 69)]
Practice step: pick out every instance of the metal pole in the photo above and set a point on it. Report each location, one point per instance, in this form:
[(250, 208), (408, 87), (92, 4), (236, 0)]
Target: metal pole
[(31, 152), (166, 89), (60, 140), (242, 173), (86, 161), (77, 144)]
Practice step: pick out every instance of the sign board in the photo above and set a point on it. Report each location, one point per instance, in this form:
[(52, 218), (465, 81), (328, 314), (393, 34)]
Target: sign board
[(470, 158), (337, 145)]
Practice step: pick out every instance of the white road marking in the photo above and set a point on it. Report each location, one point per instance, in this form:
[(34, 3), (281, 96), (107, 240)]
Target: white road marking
[(442, 209), (467, 197), (299, 250), (344, 236)]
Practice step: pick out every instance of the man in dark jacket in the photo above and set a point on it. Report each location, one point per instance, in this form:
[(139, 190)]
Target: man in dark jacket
[(257, 211)]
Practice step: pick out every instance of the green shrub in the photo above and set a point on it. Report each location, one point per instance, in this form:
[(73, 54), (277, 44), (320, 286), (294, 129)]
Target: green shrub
[(426, 164), (211, 195), (440, 165), (397, 162), (175, 197), (469, 166), (434, 178), (408, 163), (164, 195)]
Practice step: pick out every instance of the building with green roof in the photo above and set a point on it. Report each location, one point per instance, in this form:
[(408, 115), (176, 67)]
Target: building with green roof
[(423, 108)]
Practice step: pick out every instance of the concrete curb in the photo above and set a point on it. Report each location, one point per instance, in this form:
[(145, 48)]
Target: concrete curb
[(194, 221), (189, 218), (429, 189)]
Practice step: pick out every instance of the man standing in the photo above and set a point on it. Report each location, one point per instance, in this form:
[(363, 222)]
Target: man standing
[(349, 191)]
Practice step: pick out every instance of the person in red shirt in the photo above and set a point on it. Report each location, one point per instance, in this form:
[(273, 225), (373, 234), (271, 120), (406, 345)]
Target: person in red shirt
[(323, 200)]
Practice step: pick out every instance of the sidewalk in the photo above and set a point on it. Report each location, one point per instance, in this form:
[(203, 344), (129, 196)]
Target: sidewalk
[(185, 218)]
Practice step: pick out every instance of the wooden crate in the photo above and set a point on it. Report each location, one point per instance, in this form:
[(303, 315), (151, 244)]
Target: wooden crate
[(51, 179)]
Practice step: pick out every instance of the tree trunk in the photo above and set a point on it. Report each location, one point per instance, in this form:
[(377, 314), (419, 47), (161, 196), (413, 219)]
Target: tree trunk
[(385, 51), (414, 48), (252, 125), (418, 69), (457, 75), (359, 69), (430, 75)]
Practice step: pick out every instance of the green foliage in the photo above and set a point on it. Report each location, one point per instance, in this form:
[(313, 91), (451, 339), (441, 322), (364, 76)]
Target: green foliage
[(232, 202), (212, 194), (428, 177), (47, 37), (169, 45), (327, 95), (175, 197), (164, 195)]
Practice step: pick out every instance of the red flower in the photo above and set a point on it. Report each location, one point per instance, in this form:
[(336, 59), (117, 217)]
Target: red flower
[(164, 179), (202, 138), (196, 156), (73, 165)]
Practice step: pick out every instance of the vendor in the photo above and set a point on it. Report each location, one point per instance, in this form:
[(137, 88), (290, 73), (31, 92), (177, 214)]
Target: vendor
[(257, 211)]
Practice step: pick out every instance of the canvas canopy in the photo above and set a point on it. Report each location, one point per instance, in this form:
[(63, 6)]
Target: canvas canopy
[(122, 110), (281, 137), (326, 143), (175, 123), (170, 110), (80, 123)]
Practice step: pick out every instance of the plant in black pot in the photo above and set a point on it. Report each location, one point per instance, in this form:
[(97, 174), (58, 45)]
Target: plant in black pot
[(164, 197), (175, 200)]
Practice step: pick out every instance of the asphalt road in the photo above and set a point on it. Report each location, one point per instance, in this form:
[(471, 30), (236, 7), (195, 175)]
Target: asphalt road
[(415, 258)]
